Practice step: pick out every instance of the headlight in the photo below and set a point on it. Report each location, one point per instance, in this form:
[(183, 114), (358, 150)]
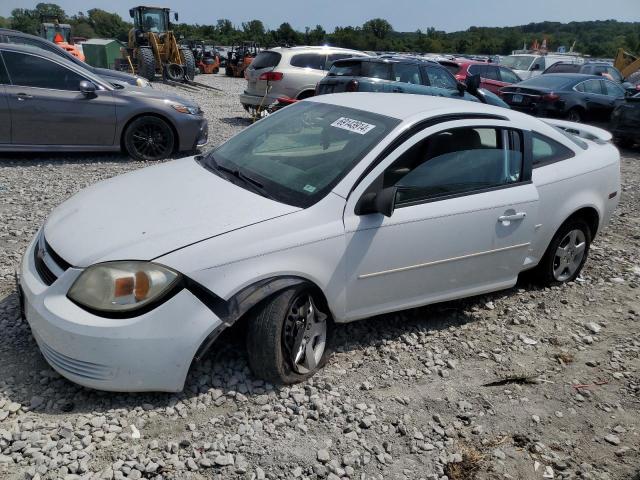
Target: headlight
[(143, 82), (122, 286), (185, 109)]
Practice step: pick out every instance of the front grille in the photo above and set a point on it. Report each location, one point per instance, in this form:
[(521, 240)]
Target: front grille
[(48, 262), (72, 366)]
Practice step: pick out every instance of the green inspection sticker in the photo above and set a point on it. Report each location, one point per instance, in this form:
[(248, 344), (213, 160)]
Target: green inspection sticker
[(309, 188)]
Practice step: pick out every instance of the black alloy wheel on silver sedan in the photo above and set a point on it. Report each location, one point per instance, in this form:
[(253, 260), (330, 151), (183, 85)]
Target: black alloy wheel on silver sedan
[(149, 138), (287, 338)]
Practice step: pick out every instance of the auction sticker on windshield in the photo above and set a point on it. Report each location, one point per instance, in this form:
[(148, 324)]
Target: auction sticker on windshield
[(352, 125)]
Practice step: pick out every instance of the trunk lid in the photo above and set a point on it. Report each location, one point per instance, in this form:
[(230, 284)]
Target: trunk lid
[(266, 61)]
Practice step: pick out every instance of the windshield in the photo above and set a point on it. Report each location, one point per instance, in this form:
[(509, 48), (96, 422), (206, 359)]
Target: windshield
[(518, 62), (300, 153), (154, 21)]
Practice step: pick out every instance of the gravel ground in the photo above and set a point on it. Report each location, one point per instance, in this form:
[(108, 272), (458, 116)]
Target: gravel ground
[(526, 383)]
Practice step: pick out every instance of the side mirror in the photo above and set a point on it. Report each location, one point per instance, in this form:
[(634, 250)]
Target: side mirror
[(175, 16), (87, 88), (383, 202), (461, 88), (131, 12), (473, 84), (536, 66)]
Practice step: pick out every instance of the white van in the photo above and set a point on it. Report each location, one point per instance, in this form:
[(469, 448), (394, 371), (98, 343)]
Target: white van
[(530, 65)]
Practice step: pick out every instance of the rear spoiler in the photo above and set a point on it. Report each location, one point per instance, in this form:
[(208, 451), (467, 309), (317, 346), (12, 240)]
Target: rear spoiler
[(595, 134)]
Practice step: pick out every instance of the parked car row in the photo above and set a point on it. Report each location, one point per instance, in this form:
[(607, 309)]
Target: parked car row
[(52, 101)]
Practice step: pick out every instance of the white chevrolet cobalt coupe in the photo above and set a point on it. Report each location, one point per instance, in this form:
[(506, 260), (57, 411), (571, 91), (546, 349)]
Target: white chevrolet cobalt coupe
[(334, 209)]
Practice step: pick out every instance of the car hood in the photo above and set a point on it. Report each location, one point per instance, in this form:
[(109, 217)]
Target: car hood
[(147, 213), (152, 94)]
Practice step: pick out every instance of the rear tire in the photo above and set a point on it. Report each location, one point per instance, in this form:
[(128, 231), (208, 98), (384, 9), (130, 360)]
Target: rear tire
[(149, 138), (189, 64), (146, 64), (288, 336), (566, 254), (575, 115)]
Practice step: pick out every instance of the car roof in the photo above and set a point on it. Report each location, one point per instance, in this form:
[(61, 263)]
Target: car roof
[(392, 59), (406, 106), (571, 76), (8, 31), (309, 48)]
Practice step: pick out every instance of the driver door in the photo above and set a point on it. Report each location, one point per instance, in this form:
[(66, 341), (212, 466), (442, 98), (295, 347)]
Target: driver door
[(47, 107), (463, 223)]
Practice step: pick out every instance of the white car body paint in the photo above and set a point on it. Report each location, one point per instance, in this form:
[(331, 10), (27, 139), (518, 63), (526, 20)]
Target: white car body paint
[(227, 238)]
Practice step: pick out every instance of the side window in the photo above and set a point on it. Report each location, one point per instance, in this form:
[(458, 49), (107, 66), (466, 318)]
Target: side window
[(615, 74), (538, 64), (314, 61), (406, 73), (441, 78), (546, 150), (32, 71), (592, 86), (599, 69), (458, 161), (4, 78), (613, 90), (492, 72), (478, 70), (508, 76)]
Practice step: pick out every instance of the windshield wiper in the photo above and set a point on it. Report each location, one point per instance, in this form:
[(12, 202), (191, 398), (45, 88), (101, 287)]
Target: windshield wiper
[(255, 185)]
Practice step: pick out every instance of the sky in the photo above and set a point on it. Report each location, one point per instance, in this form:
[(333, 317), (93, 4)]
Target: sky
[(404, 15)]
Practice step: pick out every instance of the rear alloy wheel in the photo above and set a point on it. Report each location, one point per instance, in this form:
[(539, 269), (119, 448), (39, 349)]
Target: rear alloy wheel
[(149, 138), (574, 115), (287, 339), (567, 252)]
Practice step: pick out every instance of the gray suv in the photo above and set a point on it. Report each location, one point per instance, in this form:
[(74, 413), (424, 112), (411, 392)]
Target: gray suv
[(291, 72), (50, 104)]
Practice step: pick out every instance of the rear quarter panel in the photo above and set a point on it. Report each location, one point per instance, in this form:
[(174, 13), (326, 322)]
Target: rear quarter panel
[(565, 187)]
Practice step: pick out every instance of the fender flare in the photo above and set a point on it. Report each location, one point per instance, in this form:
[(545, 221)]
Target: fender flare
[(231, 310)]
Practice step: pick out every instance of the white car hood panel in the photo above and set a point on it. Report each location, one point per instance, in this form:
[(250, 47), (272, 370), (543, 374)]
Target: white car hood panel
[(144, 214)]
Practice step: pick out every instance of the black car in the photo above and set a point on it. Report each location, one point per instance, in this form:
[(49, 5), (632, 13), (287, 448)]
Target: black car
[(20, 38), (574, 96), (603, 69), (625, 120)]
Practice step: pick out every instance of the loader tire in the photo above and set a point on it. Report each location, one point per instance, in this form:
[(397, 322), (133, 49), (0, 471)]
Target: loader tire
[(146, 64), (189, 64)]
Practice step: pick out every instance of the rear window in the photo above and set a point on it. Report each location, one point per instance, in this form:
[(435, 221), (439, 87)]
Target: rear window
[(563, 68), (266, 60), (315, 61), (546, 81), (355, 68)]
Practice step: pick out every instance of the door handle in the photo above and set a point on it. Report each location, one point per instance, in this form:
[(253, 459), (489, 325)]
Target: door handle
[(23, 96), (512, 218)]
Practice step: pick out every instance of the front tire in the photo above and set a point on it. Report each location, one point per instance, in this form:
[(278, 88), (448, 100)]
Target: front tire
[(288, 336), (149, 138), (566, 254)]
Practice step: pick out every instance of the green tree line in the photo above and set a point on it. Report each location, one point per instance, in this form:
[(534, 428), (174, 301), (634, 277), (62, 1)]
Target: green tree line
[(599, 38)]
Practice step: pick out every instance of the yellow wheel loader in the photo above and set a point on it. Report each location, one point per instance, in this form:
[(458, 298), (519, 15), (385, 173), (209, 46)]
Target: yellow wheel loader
[(153, 49)]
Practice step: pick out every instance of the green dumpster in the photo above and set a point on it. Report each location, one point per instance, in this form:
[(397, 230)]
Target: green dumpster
[(101, 53)]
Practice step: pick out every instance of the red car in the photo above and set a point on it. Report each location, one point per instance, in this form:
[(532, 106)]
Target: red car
[(492, 76)]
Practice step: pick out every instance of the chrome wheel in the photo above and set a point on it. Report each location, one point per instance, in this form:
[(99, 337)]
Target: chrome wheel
[(305, 334), (569, 255)]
